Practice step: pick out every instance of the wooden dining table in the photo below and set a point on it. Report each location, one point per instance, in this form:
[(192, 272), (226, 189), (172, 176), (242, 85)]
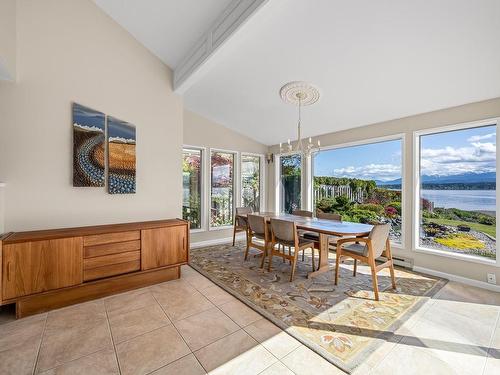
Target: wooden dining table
[(324, 228)]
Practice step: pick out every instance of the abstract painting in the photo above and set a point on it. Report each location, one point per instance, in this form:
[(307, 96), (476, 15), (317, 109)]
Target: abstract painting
[(121, 157), (88, 147)]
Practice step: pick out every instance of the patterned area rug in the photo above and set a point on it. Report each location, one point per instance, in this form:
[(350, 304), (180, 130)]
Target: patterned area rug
[(342, 323)]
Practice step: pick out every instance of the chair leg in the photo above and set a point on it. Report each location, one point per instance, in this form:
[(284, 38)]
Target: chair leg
[(234, 234), (391, 267), (374, 278), (284, 249), (303, 254), (247, 249), (319, 257), (294, 264), (264, 253), (271, 257), (355, 267), (337, 264), (312, 260)]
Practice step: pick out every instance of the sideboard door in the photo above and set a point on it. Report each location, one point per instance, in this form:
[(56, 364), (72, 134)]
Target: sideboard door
[(38, 266), (163, 246)]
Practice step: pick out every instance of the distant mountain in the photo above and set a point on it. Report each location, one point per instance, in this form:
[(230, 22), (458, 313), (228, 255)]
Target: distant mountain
[(464, 178)]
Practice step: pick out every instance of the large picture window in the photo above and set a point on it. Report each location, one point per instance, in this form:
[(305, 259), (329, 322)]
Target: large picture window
[(222, 188), (457, 191), (362, 183), (290, 182), (250, 181), (191, 186)]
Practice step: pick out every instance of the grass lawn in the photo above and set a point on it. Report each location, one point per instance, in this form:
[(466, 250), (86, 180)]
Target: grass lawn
[(488, 229)]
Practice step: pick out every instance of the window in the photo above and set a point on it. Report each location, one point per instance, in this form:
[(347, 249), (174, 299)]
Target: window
[(222, 188), (191, 186), (290, 182), (362, 183), (456, 197), (250, 181)]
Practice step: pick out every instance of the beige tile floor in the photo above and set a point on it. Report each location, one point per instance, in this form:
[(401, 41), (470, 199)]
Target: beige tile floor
[(191, 326)]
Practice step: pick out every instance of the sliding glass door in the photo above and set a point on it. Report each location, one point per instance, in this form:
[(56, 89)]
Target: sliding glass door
[(290, 183), (222, 188)]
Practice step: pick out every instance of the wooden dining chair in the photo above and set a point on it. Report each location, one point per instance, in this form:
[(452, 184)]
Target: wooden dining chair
[(259, 236), (367, 249), (284, 234), (314, 236), (240, 223), (304, 213)]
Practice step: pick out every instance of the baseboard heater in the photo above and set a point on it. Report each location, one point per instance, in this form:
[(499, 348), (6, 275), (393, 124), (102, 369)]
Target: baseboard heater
[(400, 261)]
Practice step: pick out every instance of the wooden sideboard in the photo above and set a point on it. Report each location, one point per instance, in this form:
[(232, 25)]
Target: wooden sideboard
[(43, 270)]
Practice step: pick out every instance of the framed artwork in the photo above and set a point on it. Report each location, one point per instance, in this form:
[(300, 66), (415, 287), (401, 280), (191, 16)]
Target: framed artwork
[(121, 157), (88, 147)]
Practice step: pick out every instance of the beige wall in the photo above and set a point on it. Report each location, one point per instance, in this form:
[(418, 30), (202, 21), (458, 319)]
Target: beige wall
[(199, 131), (8, 39), (71, 51), (456, 115)]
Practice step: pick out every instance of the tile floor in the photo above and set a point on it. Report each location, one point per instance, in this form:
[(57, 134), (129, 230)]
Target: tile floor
[(191, 326)]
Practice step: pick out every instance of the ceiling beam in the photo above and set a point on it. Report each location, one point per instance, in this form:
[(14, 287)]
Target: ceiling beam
[(196, 61)]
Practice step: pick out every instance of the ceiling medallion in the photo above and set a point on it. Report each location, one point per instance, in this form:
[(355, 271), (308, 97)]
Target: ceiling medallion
[(300, 94)]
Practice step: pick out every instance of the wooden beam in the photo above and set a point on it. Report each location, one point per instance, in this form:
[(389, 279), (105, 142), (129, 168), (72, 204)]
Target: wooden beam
[(195, 63)]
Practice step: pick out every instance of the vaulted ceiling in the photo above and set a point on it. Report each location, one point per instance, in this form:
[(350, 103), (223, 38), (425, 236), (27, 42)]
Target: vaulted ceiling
[(372, 60)]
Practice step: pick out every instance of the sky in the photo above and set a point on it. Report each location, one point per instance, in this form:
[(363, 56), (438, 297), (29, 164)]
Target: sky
[(442, 154)]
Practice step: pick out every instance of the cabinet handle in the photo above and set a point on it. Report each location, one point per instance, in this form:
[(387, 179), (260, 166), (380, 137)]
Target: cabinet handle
[(8, 271)]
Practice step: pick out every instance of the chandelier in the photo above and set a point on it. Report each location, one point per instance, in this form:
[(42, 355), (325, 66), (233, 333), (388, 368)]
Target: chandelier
[(301, 94)]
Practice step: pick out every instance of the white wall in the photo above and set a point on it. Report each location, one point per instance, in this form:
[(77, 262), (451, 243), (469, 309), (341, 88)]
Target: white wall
[(466, 113), (199, 131), (8, 39), (71, 51)]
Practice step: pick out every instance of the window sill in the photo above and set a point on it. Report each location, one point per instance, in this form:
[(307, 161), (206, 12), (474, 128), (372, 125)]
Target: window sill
[(462, 257), (225, 227)]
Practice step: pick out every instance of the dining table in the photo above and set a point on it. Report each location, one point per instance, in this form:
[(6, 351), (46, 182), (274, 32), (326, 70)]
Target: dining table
[(325, 228)]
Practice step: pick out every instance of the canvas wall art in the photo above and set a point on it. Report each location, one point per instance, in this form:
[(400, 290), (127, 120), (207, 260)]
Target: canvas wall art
[(88, 147), (121, 157)]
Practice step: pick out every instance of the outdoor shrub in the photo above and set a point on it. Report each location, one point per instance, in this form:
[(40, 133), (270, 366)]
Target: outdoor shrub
[(391, 211), (487, 220), (396, 205), (461, 241), (377, 208)]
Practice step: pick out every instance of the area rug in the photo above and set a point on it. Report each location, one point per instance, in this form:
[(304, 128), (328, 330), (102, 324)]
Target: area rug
[(341, 323)]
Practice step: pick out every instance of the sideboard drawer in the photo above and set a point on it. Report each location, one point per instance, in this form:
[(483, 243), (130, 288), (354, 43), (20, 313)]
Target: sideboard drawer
[(110, 248), (111, 270), (100, 239)]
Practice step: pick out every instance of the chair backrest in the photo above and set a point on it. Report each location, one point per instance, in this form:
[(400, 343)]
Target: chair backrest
[(302, 213), (283, 230), (378, 237), (243, 210), (257, 224), (328, 216)]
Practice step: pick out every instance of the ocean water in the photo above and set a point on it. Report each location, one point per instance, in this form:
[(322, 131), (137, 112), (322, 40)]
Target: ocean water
[(469, 200)]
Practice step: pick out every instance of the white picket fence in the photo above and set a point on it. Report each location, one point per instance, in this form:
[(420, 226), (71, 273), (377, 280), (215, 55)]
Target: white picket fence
[(330, 191)]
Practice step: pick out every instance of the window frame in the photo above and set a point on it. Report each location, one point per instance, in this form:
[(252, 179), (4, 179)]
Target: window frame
[(203, 222), (262, 180), (416, 191), (404, 183), (236, 186)]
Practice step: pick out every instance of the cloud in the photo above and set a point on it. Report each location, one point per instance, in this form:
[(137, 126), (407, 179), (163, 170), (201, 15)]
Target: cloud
[(476, 138), (479, 157), (383, 172)]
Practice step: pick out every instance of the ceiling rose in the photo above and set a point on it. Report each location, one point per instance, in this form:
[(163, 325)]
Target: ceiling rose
[(299, 91)]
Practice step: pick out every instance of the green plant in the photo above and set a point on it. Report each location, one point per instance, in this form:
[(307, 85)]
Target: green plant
[(396, 205), (487, 220), (376, 208)]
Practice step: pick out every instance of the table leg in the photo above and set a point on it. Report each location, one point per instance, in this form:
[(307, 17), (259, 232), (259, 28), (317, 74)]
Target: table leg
[(323, 256)]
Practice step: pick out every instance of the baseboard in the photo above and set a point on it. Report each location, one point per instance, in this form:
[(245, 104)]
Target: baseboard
[(217, 241), (460, 279)]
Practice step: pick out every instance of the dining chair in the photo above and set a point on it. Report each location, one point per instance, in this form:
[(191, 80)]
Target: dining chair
[(304, 213), (314, 236), (259, 236), (284, 234), (367, 249), (240, 223)]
